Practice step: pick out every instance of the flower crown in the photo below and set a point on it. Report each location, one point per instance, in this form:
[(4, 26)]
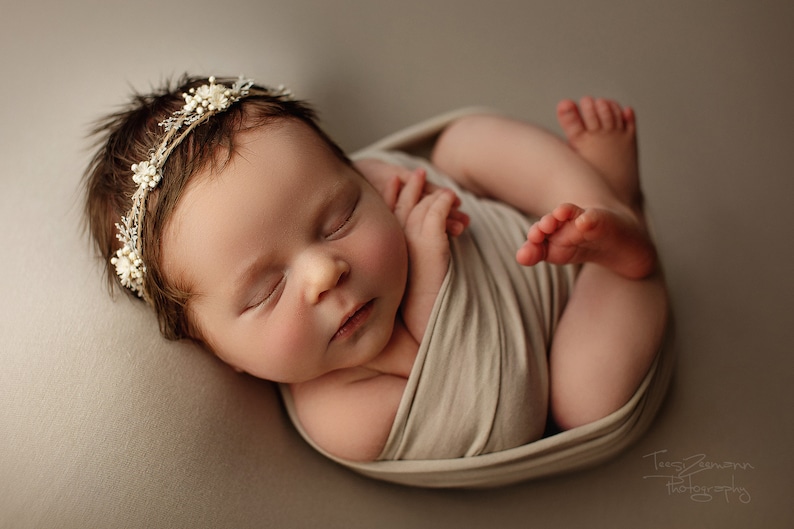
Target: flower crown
[(200, 104)]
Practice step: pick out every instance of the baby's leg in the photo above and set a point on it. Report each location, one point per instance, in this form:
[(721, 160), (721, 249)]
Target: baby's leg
[(613, 235), (596, 132), (612, 238), (522, 165), (605, 342), (613, 324)]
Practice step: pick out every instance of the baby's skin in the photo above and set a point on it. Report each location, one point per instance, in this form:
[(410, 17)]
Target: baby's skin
[(331, 293), (604, 135), (615, 236), (429, 215)]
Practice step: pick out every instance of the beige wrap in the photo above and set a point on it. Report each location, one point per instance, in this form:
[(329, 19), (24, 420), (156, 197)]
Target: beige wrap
[(475, 405), (480, 381)]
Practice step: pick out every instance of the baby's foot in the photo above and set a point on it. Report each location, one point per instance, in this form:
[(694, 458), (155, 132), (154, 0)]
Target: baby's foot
[(604, 134), (572, 235)]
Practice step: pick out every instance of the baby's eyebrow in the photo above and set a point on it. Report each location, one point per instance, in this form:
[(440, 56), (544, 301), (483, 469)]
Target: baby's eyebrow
[(338, 194), (246, 277)]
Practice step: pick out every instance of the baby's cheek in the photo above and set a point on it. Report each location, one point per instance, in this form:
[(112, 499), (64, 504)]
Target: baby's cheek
[(287, 352), (389, 255)]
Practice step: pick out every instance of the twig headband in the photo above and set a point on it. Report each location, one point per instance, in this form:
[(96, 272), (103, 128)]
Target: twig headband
[(200, 104)]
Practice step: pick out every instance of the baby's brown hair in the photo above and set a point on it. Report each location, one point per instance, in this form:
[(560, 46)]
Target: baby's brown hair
[(128, 136)]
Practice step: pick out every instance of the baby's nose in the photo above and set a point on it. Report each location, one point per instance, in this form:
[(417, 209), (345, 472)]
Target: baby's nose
[(323, 273)]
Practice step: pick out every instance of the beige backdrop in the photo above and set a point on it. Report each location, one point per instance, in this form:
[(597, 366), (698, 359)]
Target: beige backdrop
[(103, 424)]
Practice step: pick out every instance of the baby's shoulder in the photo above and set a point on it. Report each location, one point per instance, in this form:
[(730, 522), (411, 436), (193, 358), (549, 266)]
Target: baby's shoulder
[(349, 413)]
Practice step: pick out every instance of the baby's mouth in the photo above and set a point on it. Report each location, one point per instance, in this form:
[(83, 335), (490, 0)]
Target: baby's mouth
[(353, 322)]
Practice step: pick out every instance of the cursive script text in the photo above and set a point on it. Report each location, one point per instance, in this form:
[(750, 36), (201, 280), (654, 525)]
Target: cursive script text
[(703, 480)]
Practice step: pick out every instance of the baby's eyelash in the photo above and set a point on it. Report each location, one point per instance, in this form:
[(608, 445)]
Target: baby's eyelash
[(272, 295), (345, 222)]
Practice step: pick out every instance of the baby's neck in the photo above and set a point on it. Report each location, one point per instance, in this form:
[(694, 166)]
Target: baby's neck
[(398, 357)]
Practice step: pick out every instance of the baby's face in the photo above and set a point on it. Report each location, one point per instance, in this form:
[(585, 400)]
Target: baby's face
[(296, 264)]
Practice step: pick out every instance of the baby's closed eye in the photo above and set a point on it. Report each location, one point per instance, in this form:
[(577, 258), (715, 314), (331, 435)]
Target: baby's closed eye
[(269, 294), (342, 222)]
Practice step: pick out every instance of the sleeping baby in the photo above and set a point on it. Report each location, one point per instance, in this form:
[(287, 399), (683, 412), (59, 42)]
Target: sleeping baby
[(410, 309)]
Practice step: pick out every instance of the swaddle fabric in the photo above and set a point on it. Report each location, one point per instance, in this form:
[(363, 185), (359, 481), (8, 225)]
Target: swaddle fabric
[(475, 405), (480, 383)]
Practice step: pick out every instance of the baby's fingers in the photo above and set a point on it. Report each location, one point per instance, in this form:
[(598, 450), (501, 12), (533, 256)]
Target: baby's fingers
[(431, 216), (409, 195), (431, 188), (391, 191), (457, 222)]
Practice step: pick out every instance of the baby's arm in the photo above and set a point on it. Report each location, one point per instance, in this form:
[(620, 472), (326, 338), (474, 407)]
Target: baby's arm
[(428, 214), (424, 219)]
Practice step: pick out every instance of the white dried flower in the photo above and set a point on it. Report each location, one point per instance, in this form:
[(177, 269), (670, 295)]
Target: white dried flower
[(129, 268), (146, 174)]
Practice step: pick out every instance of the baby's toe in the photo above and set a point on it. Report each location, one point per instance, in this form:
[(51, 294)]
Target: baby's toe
[(531, 254), (589, 113), (605, 116), (570, 119)]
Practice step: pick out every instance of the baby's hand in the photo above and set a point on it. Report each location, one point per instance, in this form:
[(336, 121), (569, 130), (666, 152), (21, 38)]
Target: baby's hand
[(389, 180), (427, 220), (384, 177)]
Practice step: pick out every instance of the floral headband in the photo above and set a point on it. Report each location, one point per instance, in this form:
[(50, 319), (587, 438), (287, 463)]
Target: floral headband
[(200, 104)]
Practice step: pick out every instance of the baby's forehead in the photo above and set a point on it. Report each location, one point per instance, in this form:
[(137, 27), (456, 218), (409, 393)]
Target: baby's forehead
[(280, 180), (287, 157), (285, 146)]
